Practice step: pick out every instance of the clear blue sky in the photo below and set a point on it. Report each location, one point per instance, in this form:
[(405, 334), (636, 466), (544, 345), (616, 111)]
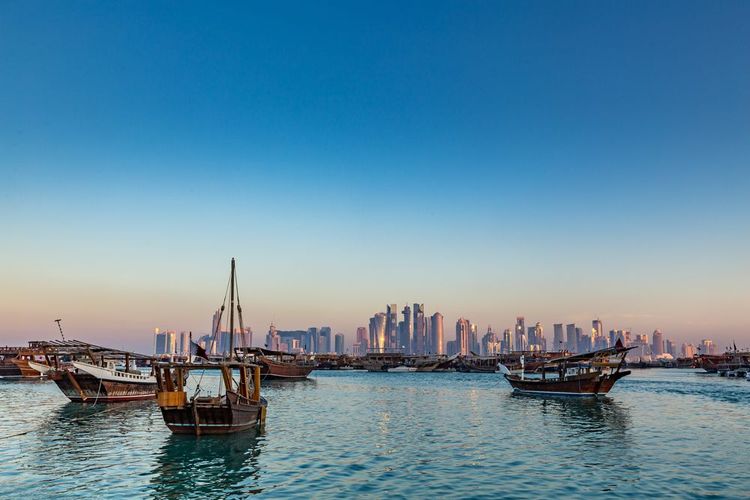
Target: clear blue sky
[(559, 160)]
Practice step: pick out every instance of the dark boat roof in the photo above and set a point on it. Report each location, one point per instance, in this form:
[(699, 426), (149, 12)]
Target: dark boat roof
[(62, 347), (204, 366), (609, 351), (264, 352)]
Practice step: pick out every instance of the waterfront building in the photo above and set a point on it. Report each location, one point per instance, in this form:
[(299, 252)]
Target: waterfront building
[(707, 347), (507, 342), (451, 348), (324, 344), (584, 342), (436, 334), (670, 348), (579, 340), (313, 338), (688, 350), (273, 340), (339, 343), (377, 332), (596, 329), (570, 334), (473, 339), (541, 342), (418, 339), (463, 335), (216, 323), (530, 338), (657, 346), (406, 329), (391, 326), (558, 340), (491, 344), (520, 334), (164, 342), (363, 342), (184, 348)]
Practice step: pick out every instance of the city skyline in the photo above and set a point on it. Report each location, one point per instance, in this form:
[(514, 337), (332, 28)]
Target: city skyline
[(563, 162)]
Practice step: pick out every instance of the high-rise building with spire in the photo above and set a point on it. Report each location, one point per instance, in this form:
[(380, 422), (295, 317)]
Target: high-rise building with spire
[(520, 334), (406, 329)]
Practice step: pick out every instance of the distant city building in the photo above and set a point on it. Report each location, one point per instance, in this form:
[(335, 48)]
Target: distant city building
[(580, 345), (657, 346), (570, 333), (558, 339), (520, 334), (596, 328), (313, 338), (363, 342), (339, 342), (670, 348), (216, 323), (377, 332), (507, 342), (463, 335), (406, 330), (491, 344), (451, 348), (473, 339), (657, 343), (688, 350), (273, 340), (324, 344), (184, 348), (707, 346), (391, 326), (165, 342), (418, 339), (436, 334)]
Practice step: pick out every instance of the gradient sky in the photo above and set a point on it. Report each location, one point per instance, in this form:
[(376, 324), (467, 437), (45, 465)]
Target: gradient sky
[(557, 160)]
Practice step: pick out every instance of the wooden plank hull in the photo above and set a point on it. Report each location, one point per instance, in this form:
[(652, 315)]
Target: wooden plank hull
[(592, 384), (85, 388), (273, 370), (217, 418), (8, 369)]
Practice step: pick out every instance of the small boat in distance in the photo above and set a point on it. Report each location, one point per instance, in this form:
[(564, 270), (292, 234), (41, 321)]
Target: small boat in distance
[(402, 369), (589, 374), (277, 365), (236, 407)]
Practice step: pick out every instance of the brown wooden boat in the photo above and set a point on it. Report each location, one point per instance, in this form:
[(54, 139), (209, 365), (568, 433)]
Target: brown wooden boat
[(238, 408), (278, 365), (87, 373), (14, 361), (588, 374)]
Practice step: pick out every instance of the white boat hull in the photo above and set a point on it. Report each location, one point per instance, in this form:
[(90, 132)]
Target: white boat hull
[(114, 375)]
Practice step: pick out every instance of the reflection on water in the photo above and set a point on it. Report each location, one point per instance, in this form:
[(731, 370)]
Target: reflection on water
[(211, 466)]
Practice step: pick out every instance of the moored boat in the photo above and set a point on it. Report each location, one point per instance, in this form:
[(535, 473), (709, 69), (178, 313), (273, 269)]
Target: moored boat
[(277, 365), (402, 369), (589, 374), (236, 406)]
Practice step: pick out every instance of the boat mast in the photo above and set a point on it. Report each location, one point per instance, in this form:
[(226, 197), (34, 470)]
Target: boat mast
[(231, 313)]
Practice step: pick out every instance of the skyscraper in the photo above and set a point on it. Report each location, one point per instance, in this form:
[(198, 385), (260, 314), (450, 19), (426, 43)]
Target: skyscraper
[(520, 334), (657, 345), (558, 342), (463, 333), (436, 334), (570, 332), (474, 339), (184, 348), (325, 339), (507, 344), (215, 323), (363, 340), (377, 332), (405, 330), (312, 340), (596, 329), (339, 342), (391, 326), (273, 341), (419, 330)]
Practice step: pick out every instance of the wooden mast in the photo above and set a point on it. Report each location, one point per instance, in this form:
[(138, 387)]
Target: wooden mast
[(231, 313)]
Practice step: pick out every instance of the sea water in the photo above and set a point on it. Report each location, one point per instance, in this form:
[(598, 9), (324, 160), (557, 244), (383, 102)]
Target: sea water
[(661, 432)]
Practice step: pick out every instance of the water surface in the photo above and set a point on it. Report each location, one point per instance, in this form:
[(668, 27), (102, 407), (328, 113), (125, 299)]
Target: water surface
[(662, 432)]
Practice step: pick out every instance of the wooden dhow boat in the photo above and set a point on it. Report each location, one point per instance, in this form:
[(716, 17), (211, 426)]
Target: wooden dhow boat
[(237, 406), (87, 373), (589, 374), (277, 365)]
